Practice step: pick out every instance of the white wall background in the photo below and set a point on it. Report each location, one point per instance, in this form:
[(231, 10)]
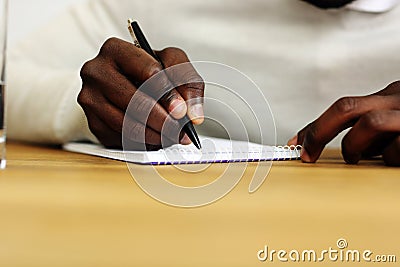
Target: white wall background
[(26, 15)]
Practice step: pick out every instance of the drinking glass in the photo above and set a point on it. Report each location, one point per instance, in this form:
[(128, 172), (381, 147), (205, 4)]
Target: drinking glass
[(3, 46)]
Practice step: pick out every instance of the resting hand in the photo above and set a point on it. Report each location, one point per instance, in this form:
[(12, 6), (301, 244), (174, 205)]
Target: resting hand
[(113, 77), (375, 128)]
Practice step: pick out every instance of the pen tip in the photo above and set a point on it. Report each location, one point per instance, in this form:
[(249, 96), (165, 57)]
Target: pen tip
[(198, 145), (195, 139), (190, 131)]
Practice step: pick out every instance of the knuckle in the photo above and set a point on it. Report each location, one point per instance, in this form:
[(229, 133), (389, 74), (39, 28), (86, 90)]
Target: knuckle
[(88, 69), (198, 86), (110, 46), (395, 85), (395, 88), (84, 99), (188, 77), (174, 52), (346, 105), (392, 90), (374, 120), (192, 79), (141, 107), (96, 70), (165, 87), (81, 98), (135, 131), (311, 136), (301, 134), (152, 69)]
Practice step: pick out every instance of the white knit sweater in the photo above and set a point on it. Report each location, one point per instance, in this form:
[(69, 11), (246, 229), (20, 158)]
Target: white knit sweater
[(303, 58)]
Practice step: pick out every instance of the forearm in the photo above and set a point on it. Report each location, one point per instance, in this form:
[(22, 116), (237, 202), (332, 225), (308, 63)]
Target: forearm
[(42, 105), (43, 77)]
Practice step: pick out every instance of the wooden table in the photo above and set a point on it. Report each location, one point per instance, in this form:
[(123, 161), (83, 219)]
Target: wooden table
[(64, 209)]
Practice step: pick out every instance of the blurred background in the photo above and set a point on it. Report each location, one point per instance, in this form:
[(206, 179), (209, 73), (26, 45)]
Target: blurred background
[(26, 15)]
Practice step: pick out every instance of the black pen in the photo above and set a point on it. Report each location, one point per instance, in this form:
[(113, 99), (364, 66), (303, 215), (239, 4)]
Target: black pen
[(141, 42)]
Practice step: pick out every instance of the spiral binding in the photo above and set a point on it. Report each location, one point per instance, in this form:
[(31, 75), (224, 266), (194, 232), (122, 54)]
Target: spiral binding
[(294, 152)]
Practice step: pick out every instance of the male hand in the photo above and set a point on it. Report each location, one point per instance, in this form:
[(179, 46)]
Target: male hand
[(113, 77), (375, 128)]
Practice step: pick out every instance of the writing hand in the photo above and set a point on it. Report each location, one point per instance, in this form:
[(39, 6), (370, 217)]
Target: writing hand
[(113, 77)]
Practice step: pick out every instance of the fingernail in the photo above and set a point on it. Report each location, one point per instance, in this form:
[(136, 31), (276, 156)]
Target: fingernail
[(304, 156), (292, 141), (186, 140), (196, 113), (177, 108)]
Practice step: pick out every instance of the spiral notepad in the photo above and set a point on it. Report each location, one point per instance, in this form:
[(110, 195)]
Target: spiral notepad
[(215, 150)]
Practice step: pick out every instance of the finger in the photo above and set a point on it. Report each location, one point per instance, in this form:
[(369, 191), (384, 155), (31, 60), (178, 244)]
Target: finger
[(137, 132), (138, 66), (368, 130), (132, 61), (189, 82), (391, 155), (106, 136), (299, 139), (133, 132), (378, 146), (104, 77), (341, 115), (130, 145), (148, 112), (142, 108), (160, 88), (119, 90), (174, 103), (293, 141)]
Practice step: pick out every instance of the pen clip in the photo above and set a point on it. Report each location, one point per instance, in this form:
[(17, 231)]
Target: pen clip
[(135, 41)]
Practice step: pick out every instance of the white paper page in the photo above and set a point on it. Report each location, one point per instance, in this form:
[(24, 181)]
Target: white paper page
[(214, 150)]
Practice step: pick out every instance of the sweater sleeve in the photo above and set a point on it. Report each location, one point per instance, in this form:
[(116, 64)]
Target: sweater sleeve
[(43, 74), (42, 105), (43, 70)]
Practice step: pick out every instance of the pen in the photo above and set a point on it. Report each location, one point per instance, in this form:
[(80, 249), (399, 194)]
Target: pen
[(140, 41)]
